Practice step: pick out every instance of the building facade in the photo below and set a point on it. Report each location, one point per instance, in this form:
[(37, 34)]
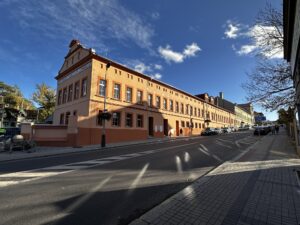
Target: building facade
[(291, 25), (140, 106), (244, 115)]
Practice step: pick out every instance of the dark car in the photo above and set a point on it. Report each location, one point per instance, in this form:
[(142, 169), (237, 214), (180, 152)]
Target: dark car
[(262, 130), (209, 131)]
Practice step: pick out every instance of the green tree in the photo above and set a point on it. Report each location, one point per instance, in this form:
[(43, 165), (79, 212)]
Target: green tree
[(44, 96), (13, 97), (285, 116)]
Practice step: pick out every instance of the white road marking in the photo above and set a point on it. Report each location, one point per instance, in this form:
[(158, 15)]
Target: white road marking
[(44, 172)]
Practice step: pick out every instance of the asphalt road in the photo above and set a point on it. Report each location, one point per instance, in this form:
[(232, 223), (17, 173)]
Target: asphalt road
[(112, 186)]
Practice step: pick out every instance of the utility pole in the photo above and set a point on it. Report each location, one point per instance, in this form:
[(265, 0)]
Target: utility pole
[(103, 137)]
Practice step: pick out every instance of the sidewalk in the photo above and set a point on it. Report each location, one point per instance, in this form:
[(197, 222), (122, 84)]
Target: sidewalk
[(261, 187), (51, 151)]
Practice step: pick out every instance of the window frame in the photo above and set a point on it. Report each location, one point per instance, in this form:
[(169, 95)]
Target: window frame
[(83, 92), (120, 86), (119, 121)]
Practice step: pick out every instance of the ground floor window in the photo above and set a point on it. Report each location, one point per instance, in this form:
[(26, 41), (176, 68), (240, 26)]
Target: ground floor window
[(128, 120), (140, 120), (116, 119), (182, 124)]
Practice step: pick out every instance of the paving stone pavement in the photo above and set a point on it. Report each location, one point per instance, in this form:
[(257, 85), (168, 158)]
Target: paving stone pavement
[(261, 187)]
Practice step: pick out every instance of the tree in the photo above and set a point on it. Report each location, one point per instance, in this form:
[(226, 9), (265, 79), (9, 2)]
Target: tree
[(13, 97), (44, 96), (285, 116), (270, 83)]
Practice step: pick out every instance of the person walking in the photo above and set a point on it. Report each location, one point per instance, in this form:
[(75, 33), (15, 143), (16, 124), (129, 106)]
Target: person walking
[(273, 129), (276, 128)]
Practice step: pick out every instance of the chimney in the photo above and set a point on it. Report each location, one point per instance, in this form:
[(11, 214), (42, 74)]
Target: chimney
[(221, 95)]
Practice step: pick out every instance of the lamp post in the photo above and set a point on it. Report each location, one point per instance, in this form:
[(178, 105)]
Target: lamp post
[(103, 137)]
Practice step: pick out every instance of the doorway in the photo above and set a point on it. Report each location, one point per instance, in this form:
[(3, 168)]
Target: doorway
[(166, 127), (150, 126), (177, 128)]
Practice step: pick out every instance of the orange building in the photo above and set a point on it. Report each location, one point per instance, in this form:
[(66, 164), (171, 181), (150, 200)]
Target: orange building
[(140, 106)]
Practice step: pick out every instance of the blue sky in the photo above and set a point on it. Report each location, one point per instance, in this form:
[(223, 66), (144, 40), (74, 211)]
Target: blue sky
[(197, 46)]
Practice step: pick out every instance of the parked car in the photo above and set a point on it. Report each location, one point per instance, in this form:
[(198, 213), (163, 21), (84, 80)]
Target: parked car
[(209, 131), (262, 130), (218, 130), (226, 130)]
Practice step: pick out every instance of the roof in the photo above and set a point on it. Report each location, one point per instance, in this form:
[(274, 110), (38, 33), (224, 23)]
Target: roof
[(93, 55)]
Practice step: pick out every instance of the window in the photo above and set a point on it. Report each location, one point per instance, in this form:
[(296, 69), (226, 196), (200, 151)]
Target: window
[(102, 87), (117, 91), (76, 90), (182, 108), (67, 118), (150, 100), (187, 124), (165, 104), (59, 97), (196, 125), (61, 120), (198, 112), (128, 120), (84, 87), (129, 94), (157, 100), (64, 95), (191, 110), (171, 105), (202, 112), (70, 93), (182, 124), (116, 119), (140, 120), (195, 112), (72, 60), (187, 109), (176, 107), (139, 97)]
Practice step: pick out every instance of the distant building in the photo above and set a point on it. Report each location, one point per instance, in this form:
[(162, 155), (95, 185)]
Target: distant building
[(244, 115), (259, 117)]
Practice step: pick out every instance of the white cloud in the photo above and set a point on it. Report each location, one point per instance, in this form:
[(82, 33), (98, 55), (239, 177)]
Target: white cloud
[(158, 67), (191, 50), (157, 76), (169, 55), (246, 49), (259, 40), (178, 57), (94, 22), (232, 30), (142, 68)]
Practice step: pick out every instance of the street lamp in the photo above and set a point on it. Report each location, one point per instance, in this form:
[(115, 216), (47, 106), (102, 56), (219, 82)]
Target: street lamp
[(103, 137)]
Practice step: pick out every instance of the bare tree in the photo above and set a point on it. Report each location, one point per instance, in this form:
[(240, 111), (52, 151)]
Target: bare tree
[(270, 83)]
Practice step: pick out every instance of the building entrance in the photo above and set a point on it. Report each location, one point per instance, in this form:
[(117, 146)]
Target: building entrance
[(150, 126)]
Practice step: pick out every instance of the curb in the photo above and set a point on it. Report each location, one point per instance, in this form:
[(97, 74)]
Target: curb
[(96, 149)]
